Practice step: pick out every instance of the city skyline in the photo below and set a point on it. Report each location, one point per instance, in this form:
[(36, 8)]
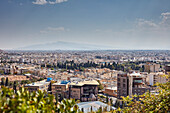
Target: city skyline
[(115, 23)]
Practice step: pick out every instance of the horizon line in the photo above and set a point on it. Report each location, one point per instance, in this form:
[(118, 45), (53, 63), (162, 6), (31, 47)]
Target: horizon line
[(91, 50)]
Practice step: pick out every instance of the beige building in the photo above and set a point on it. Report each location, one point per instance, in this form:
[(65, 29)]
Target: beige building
[(14, 77), (40, 85), (17, 78), (154, 78), (151, 67)]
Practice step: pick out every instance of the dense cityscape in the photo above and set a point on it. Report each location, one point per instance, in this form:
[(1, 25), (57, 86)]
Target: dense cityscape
[(84, 56), (90, 77)]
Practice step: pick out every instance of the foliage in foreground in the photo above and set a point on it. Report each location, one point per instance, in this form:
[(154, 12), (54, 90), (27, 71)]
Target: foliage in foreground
[(40, 102), (148, 102), (36, 102)]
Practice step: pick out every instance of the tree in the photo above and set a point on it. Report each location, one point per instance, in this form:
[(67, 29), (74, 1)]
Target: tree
[(148, 102), (117, 103), (91, 109), (25, 102), (56, 98), (105, 64), (33, 102), (68, 106), (102, 66), (111, 102), (82, 110), (100, 87), (11, 84), (2, 81), (50, 87), (61, 97), (99, 110), (7, 82), (15, 86), (1, 72), (107, 99)]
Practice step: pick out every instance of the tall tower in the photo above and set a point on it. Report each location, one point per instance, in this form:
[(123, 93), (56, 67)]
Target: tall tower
[(122, 85)]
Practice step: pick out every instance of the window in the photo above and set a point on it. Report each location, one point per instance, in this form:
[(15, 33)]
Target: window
[(118, 79), (124, 85), (118, 84), (123, 80)]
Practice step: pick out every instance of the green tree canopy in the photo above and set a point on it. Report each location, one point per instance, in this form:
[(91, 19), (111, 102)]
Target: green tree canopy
[(33, 102), (149, 102)]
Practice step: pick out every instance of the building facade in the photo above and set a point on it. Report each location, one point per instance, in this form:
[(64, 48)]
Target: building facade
[(151, 67), (122, 85), (84, 90), (157, 78), (130, 84), (60, 89), (40, 85)]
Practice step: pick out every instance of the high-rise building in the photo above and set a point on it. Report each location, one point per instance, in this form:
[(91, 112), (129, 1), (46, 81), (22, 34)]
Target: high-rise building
[(130, 84), (122, 85)]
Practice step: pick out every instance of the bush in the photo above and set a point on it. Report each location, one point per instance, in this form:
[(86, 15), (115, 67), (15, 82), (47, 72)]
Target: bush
[(149, 103), (36, 102)]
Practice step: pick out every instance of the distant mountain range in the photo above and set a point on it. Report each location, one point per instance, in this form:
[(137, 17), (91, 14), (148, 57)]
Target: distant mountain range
[(60, 45)]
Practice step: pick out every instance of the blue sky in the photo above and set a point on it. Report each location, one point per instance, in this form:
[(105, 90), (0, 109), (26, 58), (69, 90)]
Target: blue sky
[(121, 24)]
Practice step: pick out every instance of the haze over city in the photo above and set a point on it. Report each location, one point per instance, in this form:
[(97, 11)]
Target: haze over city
[(117, 24), (84, 56)]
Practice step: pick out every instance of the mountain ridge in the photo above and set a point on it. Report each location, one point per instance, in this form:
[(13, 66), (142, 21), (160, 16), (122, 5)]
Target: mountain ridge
[(61, 45)]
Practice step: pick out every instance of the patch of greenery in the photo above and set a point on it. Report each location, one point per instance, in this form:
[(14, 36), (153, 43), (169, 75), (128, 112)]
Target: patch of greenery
[(24, 101), (149, 102)]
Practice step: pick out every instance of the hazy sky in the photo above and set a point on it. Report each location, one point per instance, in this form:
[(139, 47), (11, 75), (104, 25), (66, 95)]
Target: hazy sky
[(122, 24)]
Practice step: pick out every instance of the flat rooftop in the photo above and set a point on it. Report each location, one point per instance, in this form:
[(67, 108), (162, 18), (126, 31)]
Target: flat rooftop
[(135, 74), (85, 82), (58, 84), (39, 83)]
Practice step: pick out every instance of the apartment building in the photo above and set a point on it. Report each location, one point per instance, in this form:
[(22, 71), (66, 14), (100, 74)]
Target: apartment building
[(122, 85), (136, 84), (154, 78), (61, 89), (151, 67), (40, 85), (14, 77), (17, 78), (130, 84), (84, 90)]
